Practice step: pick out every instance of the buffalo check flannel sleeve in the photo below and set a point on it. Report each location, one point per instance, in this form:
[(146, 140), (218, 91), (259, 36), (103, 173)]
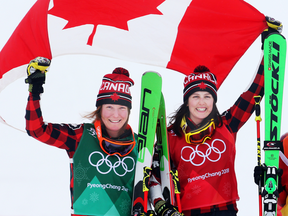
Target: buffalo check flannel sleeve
[(240, 112), (65, 136)]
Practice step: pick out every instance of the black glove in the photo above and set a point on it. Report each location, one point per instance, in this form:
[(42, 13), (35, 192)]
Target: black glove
[(280, 173), (36, 71), (166, 209), (273, 26), (259, 174)]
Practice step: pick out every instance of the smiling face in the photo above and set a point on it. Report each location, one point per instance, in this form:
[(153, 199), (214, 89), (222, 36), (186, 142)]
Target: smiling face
[(200, 105), (114, 117)]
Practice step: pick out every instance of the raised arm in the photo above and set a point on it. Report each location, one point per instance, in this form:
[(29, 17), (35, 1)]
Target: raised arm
[(65, 136)]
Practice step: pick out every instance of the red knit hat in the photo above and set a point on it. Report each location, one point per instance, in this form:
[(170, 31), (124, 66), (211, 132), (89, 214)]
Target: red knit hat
[(115, 88), (200, 80)]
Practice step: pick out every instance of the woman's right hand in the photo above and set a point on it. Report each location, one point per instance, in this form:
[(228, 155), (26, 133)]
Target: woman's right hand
[(36, 71)]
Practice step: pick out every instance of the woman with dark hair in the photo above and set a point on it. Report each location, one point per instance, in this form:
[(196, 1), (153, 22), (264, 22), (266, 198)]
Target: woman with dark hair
[(202, 145), (183, 110)]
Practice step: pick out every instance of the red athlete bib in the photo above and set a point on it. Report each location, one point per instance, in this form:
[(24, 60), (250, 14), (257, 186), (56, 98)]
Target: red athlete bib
[(206, 171)]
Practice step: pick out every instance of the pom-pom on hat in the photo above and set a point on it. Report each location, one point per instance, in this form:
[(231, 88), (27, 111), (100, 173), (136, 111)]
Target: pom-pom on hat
[(115, 88), (200, 80)]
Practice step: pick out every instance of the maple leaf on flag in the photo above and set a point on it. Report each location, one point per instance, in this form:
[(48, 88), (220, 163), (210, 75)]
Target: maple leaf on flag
[(115, 97), (95, 12)]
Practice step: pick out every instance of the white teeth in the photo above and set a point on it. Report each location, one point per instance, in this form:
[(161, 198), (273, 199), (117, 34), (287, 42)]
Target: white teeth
[(201, 109), (114, 121)]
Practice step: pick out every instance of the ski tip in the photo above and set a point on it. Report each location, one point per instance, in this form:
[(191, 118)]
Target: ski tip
[(276, 34), (146, 72)]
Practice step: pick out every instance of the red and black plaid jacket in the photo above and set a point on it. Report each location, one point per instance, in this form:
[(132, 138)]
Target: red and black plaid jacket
[(64, 136)]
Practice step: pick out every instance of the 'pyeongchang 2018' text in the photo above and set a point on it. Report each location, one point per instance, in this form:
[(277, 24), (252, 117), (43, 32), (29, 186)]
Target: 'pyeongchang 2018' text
[(208, 175)]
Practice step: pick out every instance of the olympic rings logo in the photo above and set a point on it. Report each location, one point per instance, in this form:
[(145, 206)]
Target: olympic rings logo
[(204, 155), (110, 165)]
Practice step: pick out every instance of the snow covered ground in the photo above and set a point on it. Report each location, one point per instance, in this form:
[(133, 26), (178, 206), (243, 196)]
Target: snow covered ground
[(34, 178)]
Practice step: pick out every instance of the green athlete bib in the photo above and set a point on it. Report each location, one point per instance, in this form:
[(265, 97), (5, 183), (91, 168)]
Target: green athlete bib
[(103, 184)]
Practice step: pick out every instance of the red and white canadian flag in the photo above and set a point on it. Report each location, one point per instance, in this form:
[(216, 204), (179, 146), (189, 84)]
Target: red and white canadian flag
[(174, 34)]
